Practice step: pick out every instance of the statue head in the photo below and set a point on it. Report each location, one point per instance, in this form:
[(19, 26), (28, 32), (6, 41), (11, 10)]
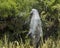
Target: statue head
[(34, 11)]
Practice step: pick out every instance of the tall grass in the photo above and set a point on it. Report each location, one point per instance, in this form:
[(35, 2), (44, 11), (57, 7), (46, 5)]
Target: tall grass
[(49, 43)]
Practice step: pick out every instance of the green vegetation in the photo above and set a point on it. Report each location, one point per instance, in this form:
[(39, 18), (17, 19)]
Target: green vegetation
[(14, 13), (48, 44)]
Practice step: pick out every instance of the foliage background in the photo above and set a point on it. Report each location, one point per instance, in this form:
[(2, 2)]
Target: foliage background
[(14, 14)]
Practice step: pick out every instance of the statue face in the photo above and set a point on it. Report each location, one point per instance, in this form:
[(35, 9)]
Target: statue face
[(33, 11)]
